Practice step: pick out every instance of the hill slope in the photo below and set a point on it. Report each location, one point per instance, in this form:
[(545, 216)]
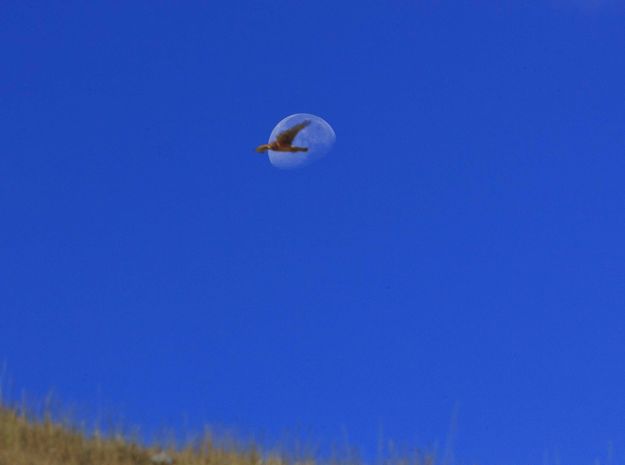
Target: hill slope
[(28, 440)]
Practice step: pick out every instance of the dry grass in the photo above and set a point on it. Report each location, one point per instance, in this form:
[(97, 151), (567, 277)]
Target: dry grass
[(27, 439)]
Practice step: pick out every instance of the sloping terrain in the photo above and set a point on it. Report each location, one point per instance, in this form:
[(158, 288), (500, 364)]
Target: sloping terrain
[(28, 440)]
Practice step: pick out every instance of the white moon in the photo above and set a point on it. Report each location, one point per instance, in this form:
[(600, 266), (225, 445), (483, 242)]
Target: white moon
[(318, 136)]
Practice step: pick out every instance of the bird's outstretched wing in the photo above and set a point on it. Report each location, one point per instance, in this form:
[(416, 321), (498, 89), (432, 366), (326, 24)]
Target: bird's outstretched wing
[(286, 137)]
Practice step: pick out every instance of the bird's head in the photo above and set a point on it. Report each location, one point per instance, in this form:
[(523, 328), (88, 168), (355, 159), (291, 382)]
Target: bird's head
[(263, 148)]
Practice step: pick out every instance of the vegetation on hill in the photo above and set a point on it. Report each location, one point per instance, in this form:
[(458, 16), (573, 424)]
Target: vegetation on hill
[(28, 439)]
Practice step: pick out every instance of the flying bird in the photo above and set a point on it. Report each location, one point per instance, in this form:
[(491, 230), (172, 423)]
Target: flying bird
[(285, 139)]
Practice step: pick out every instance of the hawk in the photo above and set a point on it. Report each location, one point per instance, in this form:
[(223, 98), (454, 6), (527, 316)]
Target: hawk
[(285, 139)]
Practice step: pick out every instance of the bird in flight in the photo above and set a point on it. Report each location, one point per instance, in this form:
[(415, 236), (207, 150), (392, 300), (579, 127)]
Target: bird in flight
[(285, 139)]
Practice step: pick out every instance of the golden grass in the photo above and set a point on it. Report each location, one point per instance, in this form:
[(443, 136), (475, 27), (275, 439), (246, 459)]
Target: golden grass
[(27, 439)]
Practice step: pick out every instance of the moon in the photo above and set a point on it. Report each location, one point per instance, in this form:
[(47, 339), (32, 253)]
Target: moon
[(318, 136)]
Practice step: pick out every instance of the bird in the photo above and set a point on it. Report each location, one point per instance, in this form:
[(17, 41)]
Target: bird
[(285, 139)]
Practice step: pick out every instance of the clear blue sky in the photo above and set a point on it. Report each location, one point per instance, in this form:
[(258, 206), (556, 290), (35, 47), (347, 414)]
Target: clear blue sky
[(463, 244)]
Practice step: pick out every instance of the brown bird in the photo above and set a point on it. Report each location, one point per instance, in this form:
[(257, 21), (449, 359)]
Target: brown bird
[(285, 139)]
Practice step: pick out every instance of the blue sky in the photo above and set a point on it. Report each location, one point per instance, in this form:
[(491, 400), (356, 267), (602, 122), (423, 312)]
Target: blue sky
[(462, 245)]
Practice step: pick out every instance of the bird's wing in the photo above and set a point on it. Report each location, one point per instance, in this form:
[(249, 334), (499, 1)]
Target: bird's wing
[(286, 137)]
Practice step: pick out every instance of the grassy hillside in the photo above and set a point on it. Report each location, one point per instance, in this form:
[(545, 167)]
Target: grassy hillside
[(31, 440)]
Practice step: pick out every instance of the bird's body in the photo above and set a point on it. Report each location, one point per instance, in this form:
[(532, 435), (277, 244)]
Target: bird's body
[(285, 139)]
